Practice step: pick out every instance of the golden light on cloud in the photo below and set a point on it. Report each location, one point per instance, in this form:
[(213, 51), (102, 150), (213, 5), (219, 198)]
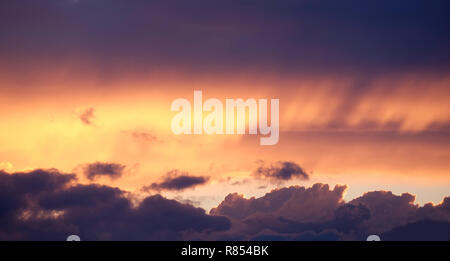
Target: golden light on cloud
[(94, 140), (331, 135)]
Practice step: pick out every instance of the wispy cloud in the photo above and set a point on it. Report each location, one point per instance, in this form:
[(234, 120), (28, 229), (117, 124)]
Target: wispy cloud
[(87, 116), (97, 169)]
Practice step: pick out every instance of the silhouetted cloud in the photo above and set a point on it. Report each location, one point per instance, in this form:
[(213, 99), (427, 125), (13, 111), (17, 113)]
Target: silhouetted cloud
[(423, 230), (177, 180), (18, 190), (401, 209), (49, 205), (297, 213), (39, 205), (326, 235), (282, 170), (299, 203), (87, 116), (112, 170)]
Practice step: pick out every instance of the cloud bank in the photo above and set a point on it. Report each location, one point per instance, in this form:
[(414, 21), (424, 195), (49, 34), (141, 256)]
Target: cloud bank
[(49, 205), (40, 205), (283, 36)]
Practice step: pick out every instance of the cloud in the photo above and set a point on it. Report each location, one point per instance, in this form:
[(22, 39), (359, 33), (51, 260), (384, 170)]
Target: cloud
[(343, 223), (318, 213), (87, 116), (299, 203), (177, 180), (96, 169), (39, 205), (144, 136), (387, 210), (438, 212), (327, 235), (424, 230), (297, 35), (18, 190), (282, 170), (49, 205)]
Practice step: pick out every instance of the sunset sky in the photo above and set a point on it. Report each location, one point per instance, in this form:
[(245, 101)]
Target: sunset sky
[(364, 88)]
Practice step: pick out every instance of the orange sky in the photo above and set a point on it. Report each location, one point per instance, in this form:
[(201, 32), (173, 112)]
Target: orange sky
[(391, 133)]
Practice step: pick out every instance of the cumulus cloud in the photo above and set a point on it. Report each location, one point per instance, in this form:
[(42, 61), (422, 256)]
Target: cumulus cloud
[(49, 205), (87, 116), (387, 210), (40, 205), (96, 169), (18, 190), (423, 230), (299, 203), (280, 171), (438, 212), (177, 180), (318, 213)]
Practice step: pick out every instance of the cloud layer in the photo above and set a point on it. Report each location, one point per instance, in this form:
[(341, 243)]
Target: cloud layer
[(318, 213), (49, 205), (282, 36), (40, 205)]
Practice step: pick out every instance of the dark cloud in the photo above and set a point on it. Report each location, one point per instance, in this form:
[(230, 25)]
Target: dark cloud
[(40, 205), (424, 230), (96, 169), (317, 213), (401, 209), (298, 203), (49, 205), (388, 211), (87, 116), (18, 194), (282, 170), (177, 180), (16, 189), (438, 212), (327, 235), (285, 36)]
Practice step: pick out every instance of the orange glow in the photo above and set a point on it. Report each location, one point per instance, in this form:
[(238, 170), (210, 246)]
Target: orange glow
[(325, 128)]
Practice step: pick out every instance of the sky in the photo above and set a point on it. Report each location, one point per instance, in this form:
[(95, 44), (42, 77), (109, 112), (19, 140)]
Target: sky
[(86, 88)]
